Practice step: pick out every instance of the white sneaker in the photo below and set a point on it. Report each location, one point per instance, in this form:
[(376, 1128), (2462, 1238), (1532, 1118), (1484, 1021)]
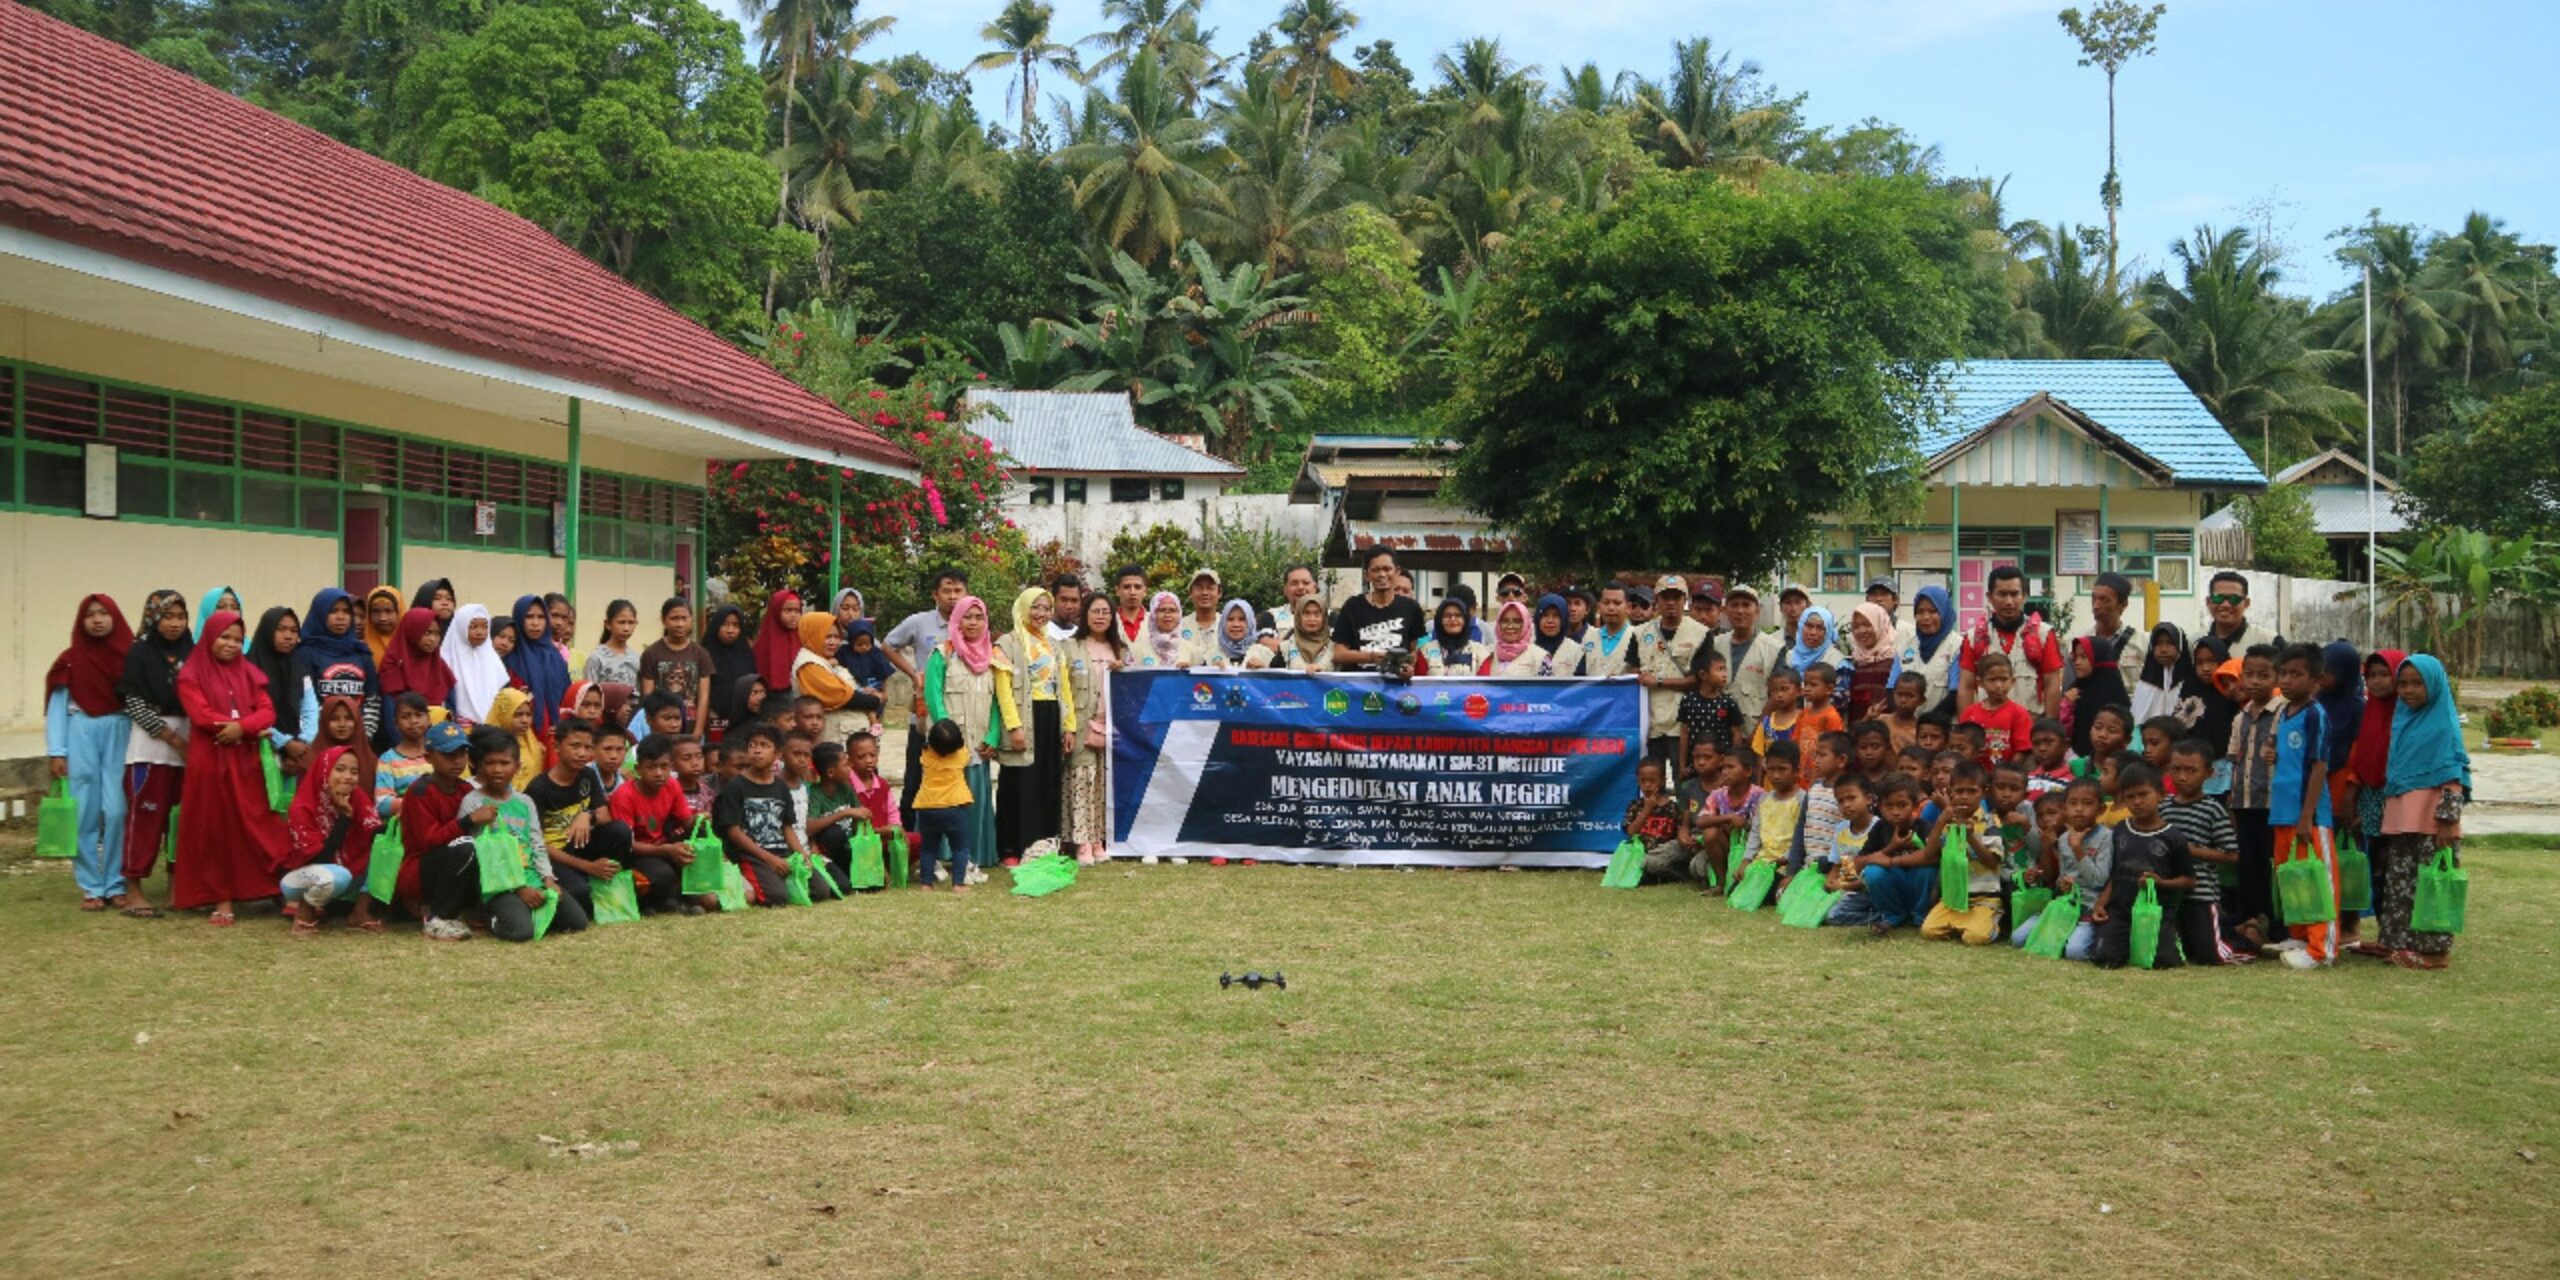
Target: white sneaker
[(2298, 958), (440, 930), (1182, 862), (1149, 860), (2291, 944)]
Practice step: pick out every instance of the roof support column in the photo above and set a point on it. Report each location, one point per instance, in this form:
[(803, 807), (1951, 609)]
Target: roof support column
[(1955, 546), (835, 533), (576, 486)]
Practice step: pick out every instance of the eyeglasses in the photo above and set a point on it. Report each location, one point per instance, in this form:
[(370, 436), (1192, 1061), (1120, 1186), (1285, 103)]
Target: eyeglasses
[(2225, 599), (1514, 593)]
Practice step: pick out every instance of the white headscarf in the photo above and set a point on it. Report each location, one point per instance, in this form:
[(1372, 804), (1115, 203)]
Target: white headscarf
[(478, 672)]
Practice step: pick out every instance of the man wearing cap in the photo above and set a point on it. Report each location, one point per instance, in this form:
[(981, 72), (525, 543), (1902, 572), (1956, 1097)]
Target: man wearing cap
[(1706, 606), (1750, 654), (1664, 650), (1886, 594), (2107, 599), (1200, 630)]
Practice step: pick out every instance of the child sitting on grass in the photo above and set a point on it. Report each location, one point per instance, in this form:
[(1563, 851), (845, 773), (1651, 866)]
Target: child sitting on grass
[(942, 806), (1777, 823), (653, 806), (1835, 857), (2145, 851), (1729, 810), (2080, 858), (755, 816), (496, 802), (1977, 919), (1824, 766), (836, 813), (1893, 871), (329, 833), (1653, 820)]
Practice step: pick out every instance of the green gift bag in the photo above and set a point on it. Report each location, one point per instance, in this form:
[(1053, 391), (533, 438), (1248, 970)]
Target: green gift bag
[(1955, 871), (279, 791), (618, 900), (733, 886), (893, 857), (1626, 866), (702, 875), (2027, 902), (504, 865), (1807, 902), (866, 871), (2054, 924), (2355, 880), (382, 869), (1044, 875), (2444, 891), (2303, 891), (2146, 926), (1735, 855), (795, 881), (542, 914), (1752, 889), (57, 822)]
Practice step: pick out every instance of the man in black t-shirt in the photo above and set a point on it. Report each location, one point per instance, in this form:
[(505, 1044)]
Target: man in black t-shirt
[(1369, 627)]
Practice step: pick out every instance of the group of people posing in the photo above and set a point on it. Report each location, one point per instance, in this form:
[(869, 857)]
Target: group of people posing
[(271, 760)]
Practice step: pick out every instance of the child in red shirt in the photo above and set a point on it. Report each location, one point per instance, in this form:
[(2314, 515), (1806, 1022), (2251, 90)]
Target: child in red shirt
[(660, 818), (2007, 728)]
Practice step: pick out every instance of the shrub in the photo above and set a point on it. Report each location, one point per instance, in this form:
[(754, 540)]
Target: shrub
[(1166, 553), (2539, 704), (2509, 719)]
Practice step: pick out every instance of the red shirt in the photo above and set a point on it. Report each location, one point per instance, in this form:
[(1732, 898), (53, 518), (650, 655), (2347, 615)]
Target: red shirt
[(2033, 646), (663, 818), (2005, 730), (428, 812)]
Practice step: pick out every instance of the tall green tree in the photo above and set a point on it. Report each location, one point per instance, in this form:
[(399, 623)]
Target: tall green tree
[(1308, 67), (2081, 312), (1711, 114), (2485, 273), (2241, 346), (1145, 173), (1278, 201), (799, 34), (1169, 29), (2111, 34), (2409, 331), (1021, 38), (1788, 344)]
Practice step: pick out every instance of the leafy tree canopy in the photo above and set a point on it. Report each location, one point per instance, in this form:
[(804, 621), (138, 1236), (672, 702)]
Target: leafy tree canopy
[(1701, 374), (2502, 474)]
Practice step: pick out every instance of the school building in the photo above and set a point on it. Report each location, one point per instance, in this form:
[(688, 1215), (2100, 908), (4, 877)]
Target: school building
[(2065, 468), (234, 352)]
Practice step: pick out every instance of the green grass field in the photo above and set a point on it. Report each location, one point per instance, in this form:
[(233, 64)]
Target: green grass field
[(1470, 1074)]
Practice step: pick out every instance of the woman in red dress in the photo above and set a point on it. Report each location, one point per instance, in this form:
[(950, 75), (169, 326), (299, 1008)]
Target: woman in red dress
[(229, 840)]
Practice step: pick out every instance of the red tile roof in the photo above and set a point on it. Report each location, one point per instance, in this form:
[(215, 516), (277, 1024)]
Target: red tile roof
[(102, 147)]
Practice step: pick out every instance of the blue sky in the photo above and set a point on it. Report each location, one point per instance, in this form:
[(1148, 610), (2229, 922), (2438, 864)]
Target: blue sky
[(2242, 116)]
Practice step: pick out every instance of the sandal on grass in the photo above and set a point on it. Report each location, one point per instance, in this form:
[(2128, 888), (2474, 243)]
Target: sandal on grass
[(2374, 950), (306, 927), (369, 926), (222, 920), (137, 907), (2415, 962), (93, 904)]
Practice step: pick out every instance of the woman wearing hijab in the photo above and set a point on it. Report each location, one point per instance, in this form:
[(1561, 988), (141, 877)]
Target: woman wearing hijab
[(414, 662), (216, 601), (1308, 646), (1451, 649), (2102, 687), (847, 608), (383, 609), (512, 710), (155, 752), (1554, 636), (1875, 661), (296, 709), (1814, 646), (2215, 709), (2167, 672), (1230, 645), (336, 657), (2370, 759), (733, 661), (1093, 653), (1516, 653), (536, 663), (2426, 782), (229, 840), (815, 673), (85, 732), (329, 831), (778, 641), (1035, 701), (436, 595), (1161, 643), (1933, 624), (2341, 697), (960, 686), (478, 673)]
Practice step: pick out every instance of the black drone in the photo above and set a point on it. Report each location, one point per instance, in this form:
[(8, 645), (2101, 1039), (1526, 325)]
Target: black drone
[(1253, 980)]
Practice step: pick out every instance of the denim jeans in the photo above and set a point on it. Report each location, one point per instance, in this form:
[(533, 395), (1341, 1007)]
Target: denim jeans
[(943, 834)]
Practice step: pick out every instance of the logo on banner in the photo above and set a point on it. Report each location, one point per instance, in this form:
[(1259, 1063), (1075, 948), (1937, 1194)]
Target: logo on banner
[(1478, 706), (1409, 704), (1202, 695), (1336, 702), (1440, 703), (1235, 698), (1287, 702), (1373, 702)]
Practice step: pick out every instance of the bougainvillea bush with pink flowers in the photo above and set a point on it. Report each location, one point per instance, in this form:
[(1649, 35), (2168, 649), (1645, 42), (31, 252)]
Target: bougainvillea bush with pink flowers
[(768, 522)]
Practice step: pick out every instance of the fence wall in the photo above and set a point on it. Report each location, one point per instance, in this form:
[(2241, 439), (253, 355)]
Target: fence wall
[(1086, 529), (2517, 641)]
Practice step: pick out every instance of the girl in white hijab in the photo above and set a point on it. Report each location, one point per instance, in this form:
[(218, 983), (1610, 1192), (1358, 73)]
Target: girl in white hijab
[(478, 672)]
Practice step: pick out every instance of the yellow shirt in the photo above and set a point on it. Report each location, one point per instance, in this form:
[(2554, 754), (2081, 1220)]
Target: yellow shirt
[(946, 780)]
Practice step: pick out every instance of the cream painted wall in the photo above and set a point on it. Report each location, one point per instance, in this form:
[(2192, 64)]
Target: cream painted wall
[(47, 563), (496, 579), (2023, 507), (107, 353)]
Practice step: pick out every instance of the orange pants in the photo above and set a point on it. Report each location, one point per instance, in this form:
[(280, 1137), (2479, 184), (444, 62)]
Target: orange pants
[(2321, 939)]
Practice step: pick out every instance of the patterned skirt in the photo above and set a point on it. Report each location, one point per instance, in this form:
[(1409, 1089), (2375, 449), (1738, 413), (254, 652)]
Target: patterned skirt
[(1088, 816)]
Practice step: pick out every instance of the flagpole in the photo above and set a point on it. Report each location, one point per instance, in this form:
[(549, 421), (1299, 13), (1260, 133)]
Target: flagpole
[(2372, 591)]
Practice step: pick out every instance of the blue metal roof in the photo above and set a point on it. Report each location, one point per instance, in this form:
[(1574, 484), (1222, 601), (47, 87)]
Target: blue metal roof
[(2142, 401)]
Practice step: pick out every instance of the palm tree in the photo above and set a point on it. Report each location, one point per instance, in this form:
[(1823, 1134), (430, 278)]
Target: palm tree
[(2408, 319), (797, 33), (2484, 271), (1313, 28), (2238, 343), (1280, 199), (1714, 115), (1021, 36), (2080, 312), (1584, 89), (1142, 179), (1224, 373), (1169, 29), (837, 147)]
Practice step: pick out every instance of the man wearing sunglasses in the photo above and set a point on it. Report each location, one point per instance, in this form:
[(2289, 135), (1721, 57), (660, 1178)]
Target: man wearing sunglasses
[(2227, 607)]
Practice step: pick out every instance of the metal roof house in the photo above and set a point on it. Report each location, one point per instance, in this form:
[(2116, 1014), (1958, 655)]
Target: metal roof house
[(1385, 491), (2066, 468), (2335, 482), (1085, 471)]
